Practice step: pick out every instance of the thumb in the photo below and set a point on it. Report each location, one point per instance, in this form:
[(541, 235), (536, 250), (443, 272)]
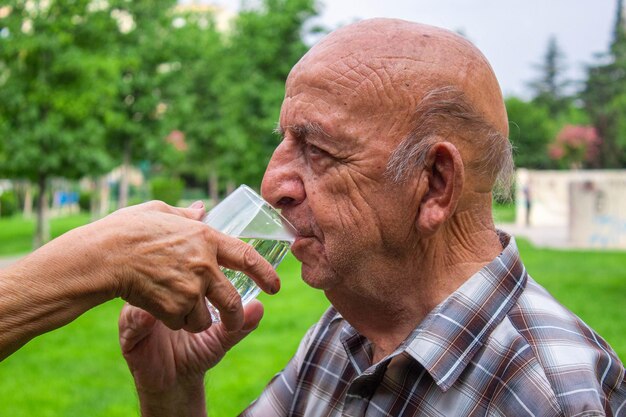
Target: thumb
[(253, 313), (135, 325)]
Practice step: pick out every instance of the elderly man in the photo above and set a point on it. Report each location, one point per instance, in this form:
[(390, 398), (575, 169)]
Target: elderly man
[(394, 136)]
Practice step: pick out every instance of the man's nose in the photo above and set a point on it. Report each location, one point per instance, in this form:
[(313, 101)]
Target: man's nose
[(282, 184)]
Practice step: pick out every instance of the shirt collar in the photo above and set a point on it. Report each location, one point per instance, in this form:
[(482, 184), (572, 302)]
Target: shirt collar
[(450, 335)]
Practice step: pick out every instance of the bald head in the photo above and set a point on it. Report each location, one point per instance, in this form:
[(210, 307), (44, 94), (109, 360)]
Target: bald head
[(418, 58), (392, 66)]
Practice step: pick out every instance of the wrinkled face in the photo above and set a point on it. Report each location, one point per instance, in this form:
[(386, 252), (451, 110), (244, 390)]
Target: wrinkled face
[(339, 125)]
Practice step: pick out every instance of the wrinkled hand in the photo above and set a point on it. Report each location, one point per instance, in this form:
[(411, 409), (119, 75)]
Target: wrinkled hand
[(168, 261), (169, 366)]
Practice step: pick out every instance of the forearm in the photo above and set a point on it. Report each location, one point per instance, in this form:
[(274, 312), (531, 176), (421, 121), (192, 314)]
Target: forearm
[(47, 289), (186, 401)]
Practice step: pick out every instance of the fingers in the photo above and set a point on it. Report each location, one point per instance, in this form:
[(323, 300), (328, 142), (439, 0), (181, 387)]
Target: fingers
[(253, 313), (194, 212), (235, 254), (226, 299), (199, 318), (135, 325)]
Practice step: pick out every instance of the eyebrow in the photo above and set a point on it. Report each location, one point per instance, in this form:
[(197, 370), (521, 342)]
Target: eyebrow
[(304, 130)]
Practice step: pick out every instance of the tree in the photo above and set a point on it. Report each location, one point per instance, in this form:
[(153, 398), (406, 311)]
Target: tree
[(192, 94), (231, 85), (56, 79), (575, 146), (604, 96), (530, 132), (260, 50), (549, 89), (135, 131)]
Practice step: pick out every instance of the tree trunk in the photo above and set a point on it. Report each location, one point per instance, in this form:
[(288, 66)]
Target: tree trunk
[(28, 200), (104, 194), (42, 230), (93, 199), (230, 186), (124, 174), (214, 187)]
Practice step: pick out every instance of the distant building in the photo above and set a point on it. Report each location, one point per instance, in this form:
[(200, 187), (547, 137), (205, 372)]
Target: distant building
[(221, 15), (590, 204)]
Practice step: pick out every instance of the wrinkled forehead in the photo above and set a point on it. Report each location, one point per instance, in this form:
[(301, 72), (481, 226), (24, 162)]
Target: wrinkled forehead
[(355, 96), (389, 64)]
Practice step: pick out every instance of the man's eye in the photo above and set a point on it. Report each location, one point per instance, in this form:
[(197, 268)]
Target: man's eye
[(315, 152)]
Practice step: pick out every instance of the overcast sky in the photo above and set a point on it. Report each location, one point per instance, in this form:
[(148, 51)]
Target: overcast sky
[(513, 34)]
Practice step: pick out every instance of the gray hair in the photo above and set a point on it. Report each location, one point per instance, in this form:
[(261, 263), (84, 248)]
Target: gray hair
[(444, 112)]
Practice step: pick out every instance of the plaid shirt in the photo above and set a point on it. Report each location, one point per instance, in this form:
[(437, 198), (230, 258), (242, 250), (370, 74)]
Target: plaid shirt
[(498, 346)]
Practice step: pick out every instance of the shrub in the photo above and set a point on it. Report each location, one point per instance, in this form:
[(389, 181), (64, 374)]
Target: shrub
[(8, 203), (166, 189), (84, 200)]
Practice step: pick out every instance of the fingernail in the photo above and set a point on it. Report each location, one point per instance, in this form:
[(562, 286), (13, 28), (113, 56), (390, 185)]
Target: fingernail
[(197, 205)]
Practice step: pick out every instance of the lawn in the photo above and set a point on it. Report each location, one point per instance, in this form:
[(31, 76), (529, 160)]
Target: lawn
[(16, 233), (78, 370), (503, 212)]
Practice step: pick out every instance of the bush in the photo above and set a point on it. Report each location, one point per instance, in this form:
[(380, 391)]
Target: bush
[(84, 200), (166, 189), (8, 204)]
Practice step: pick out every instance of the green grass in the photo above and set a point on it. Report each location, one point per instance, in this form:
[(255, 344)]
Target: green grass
[(503, 212), (16, 233), (79, 371)]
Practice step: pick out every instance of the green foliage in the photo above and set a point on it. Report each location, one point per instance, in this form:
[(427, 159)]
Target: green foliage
[(549, 89), (87, 85), (84, 200), (56, 82), (575, 146), (134, 127), (263, 46), (225, 89), (191, 90), (8, 203), (54, 86), (167, 189), (605, 100), (530, 132), (604, 96)]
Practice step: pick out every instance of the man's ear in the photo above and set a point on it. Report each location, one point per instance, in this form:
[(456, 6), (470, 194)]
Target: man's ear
[(443, 178)]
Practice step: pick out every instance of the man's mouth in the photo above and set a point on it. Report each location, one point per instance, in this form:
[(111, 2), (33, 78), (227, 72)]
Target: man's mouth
[(300, 238)]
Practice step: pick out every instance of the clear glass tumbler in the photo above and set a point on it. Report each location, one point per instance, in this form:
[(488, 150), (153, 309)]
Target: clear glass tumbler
[(244, 214)]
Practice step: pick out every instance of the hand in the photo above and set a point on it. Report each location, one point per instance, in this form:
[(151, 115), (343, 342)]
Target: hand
[(155, 256), (168, 366), (171, 261)]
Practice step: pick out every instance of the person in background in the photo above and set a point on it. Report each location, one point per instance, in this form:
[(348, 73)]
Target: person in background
[(157, 257), (528, 202), (394, 137)]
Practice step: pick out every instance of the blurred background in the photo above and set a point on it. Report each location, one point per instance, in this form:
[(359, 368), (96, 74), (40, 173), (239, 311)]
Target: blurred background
[(108, 103)]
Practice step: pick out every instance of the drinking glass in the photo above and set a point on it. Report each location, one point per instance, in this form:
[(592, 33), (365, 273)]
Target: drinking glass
[(245, 215)]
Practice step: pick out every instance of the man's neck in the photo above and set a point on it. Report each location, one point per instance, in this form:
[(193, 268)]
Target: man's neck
[(411, 289)]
